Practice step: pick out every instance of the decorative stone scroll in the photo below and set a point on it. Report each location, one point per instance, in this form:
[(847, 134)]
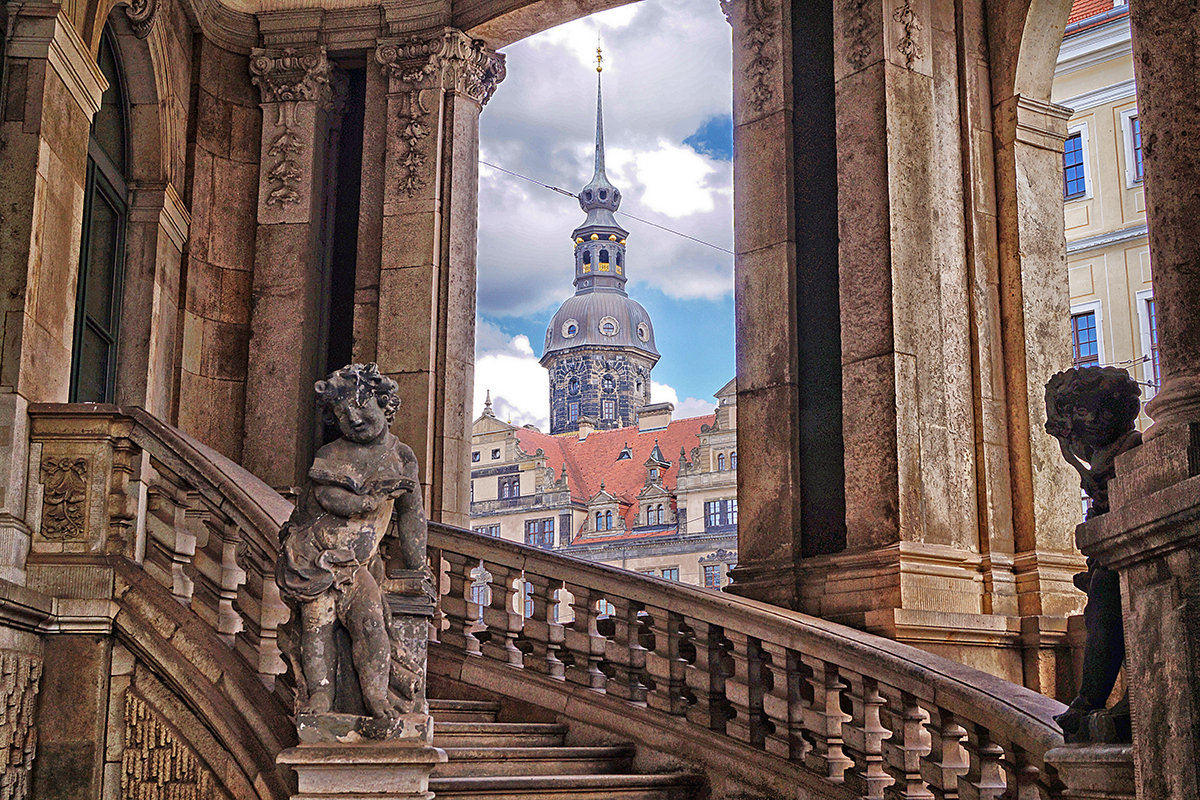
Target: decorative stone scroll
[(19, 674), (419, 69), (141, 15), (286, 77), (64, 514)]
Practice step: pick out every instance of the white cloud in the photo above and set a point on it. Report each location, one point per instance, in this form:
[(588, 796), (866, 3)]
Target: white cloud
[(667, 71), (507, 367), (689, 407)]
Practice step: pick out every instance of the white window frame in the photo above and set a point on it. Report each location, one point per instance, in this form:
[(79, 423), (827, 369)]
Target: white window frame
[(1143, 316), (1095, 307), (1082, 129), (1131, 178)]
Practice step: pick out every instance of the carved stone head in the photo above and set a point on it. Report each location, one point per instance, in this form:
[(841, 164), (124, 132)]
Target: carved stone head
[(1091, 408), (359, 400)]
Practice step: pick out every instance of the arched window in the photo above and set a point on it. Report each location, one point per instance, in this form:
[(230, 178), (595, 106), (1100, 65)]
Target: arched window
[(721, 462), (598, 520), (587, 256), (620, 261), (608, 520), (603, 256), (650, 519), (733, 460), (102, 244), (660, 516)]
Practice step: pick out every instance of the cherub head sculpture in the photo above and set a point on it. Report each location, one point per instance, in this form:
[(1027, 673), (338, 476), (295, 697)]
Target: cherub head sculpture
[(360, 400), (1092, 412)]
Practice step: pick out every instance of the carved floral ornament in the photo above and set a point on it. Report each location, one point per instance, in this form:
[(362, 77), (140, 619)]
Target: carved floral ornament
[(759, 29), (141, 15), (64, 499)]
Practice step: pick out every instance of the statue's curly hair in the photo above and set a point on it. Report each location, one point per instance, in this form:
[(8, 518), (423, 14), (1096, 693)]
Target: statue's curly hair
[(364, 381), (1089, 387)]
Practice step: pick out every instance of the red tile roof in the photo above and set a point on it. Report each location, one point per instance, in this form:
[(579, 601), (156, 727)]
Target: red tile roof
[(594, 459), (1082, 9)]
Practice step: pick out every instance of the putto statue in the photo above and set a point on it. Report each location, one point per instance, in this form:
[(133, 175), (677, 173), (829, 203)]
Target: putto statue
[(1092, 412), (353, 665)]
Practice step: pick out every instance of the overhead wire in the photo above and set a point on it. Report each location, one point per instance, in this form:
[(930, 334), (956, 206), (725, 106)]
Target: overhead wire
[(536, 182)]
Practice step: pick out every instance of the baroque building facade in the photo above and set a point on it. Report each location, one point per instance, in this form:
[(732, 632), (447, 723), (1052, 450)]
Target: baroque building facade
[(616, 496), (900, 292)]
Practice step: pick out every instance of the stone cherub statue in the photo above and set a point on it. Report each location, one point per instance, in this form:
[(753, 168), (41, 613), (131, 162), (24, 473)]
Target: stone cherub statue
[(346, 657), (1092, 412)]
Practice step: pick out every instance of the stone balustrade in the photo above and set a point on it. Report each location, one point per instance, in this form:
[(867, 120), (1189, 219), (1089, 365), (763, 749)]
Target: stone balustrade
[(872, 718), (119, 482)]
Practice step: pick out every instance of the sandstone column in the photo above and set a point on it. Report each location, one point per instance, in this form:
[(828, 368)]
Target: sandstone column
[(437, 85), (300, 102), (53, 90)]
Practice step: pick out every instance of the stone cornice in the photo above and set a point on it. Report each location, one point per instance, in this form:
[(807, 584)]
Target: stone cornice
[(44, 32), (1105, 239), (1108, 94)]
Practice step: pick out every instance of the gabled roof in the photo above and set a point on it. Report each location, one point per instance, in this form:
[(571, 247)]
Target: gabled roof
[(594, 460)]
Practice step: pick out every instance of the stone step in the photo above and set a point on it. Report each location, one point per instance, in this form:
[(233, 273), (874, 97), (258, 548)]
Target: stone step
[(511, 761), (463, 710), (498, 734), (670, 786)]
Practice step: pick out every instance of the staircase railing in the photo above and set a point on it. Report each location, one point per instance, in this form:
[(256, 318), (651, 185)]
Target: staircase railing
[(118, 481), (864, 713)]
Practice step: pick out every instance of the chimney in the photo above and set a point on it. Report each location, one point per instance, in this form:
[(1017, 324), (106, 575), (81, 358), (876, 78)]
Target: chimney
[(586, 426), (655, 417)]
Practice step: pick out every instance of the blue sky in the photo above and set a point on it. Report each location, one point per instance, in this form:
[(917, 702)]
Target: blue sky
[(669, 143)]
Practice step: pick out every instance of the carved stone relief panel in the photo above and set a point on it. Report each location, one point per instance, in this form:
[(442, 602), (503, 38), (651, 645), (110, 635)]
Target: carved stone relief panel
[(19, 674), (64, 499)]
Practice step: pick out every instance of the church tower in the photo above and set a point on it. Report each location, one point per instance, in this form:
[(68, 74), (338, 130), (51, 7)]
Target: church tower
[(600, 344)]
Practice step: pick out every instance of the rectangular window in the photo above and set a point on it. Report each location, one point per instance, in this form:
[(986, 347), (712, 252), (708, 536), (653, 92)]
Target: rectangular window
[(610, 409), (474, 456), (1074, 177), (712, 576), (573, 411), (1135, 134), (495, 453), (540, 533), (489, 530), (1085, 339), (1152, 319), (719, 513), (671, 573)]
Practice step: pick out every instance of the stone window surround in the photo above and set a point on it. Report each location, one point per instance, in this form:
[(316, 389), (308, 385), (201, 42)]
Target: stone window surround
[(1131, 179), (1093, 307), (1081, 128)]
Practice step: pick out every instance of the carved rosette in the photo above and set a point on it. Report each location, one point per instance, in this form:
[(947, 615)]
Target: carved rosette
[(286, 77), (64, 510), (141, 15), (19, 674), (419, 69), (758, 30)]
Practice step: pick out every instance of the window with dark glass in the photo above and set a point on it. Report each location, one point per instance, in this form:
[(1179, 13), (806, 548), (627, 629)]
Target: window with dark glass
[(712, 576), (1152, 320), (1085, 345), (102, 243), (1135, 133), (475, 455), (496, 453), (1074, 177), (608, 383)]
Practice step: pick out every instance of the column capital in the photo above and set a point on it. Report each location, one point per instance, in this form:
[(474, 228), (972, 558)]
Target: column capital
[(292, 74), (1033, 122), (447, 58)]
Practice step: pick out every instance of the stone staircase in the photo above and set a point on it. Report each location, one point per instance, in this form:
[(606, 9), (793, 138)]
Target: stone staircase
[(527, 760)]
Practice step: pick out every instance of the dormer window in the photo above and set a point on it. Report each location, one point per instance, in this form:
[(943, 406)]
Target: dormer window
[(603, 194), (608, 326), (654, 473)]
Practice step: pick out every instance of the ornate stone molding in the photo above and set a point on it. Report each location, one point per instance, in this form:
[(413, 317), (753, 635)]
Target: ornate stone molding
[(19, 674), (292, 74), (759, 29), (141, 15), (909, 43), (64, 517)]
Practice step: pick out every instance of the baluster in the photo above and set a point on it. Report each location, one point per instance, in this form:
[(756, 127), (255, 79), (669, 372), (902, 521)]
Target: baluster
[(864, 736), (664, 663), (704, 675), (543, 634), (273, 612), (799, 701), (192, 534), (776, 700), (624, 652), (908, 745), (166, 506), (462, 615), (947, 759), (824, 720), (583, 641), (1026, 779), (437, 568), (504, 615), (743, 690), (984, 779)]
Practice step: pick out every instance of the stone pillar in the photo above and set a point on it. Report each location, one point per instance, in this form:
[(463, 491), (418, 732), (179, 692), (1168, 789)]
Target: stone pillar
[(53, 88), (1165, 37), (425, 326), (1034, 309), (301, 106), (765, 288)]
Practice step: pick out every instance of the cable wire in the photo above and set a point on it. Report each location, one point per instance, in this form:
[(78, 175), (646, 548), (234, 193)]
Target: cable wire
[(622, 213)]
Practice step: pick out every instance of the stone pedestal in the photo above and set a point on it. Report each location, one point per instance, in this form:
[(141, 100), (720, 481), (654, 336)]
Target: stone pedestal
[(1152, 538), (374, 771), (1094, 771)]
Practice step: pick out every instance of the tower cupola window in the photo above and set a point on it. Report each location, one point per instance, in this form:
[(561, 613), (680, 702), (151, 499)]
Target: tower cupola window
[(608, 383)]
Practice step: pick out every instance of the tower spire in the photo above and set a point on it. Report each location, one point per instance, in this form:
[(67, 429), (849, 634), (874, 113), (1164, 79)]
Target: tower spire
[(599, 114)]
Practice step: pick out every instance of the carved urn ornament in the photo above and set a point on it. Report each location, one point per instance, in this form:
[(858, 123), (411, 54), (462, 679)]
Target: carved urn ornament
[(356, 536), (1092, 411)]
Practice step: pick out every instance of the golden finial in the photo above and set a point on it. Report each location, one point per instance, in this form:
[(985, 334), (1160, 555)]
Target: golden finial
[(599, 55)]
